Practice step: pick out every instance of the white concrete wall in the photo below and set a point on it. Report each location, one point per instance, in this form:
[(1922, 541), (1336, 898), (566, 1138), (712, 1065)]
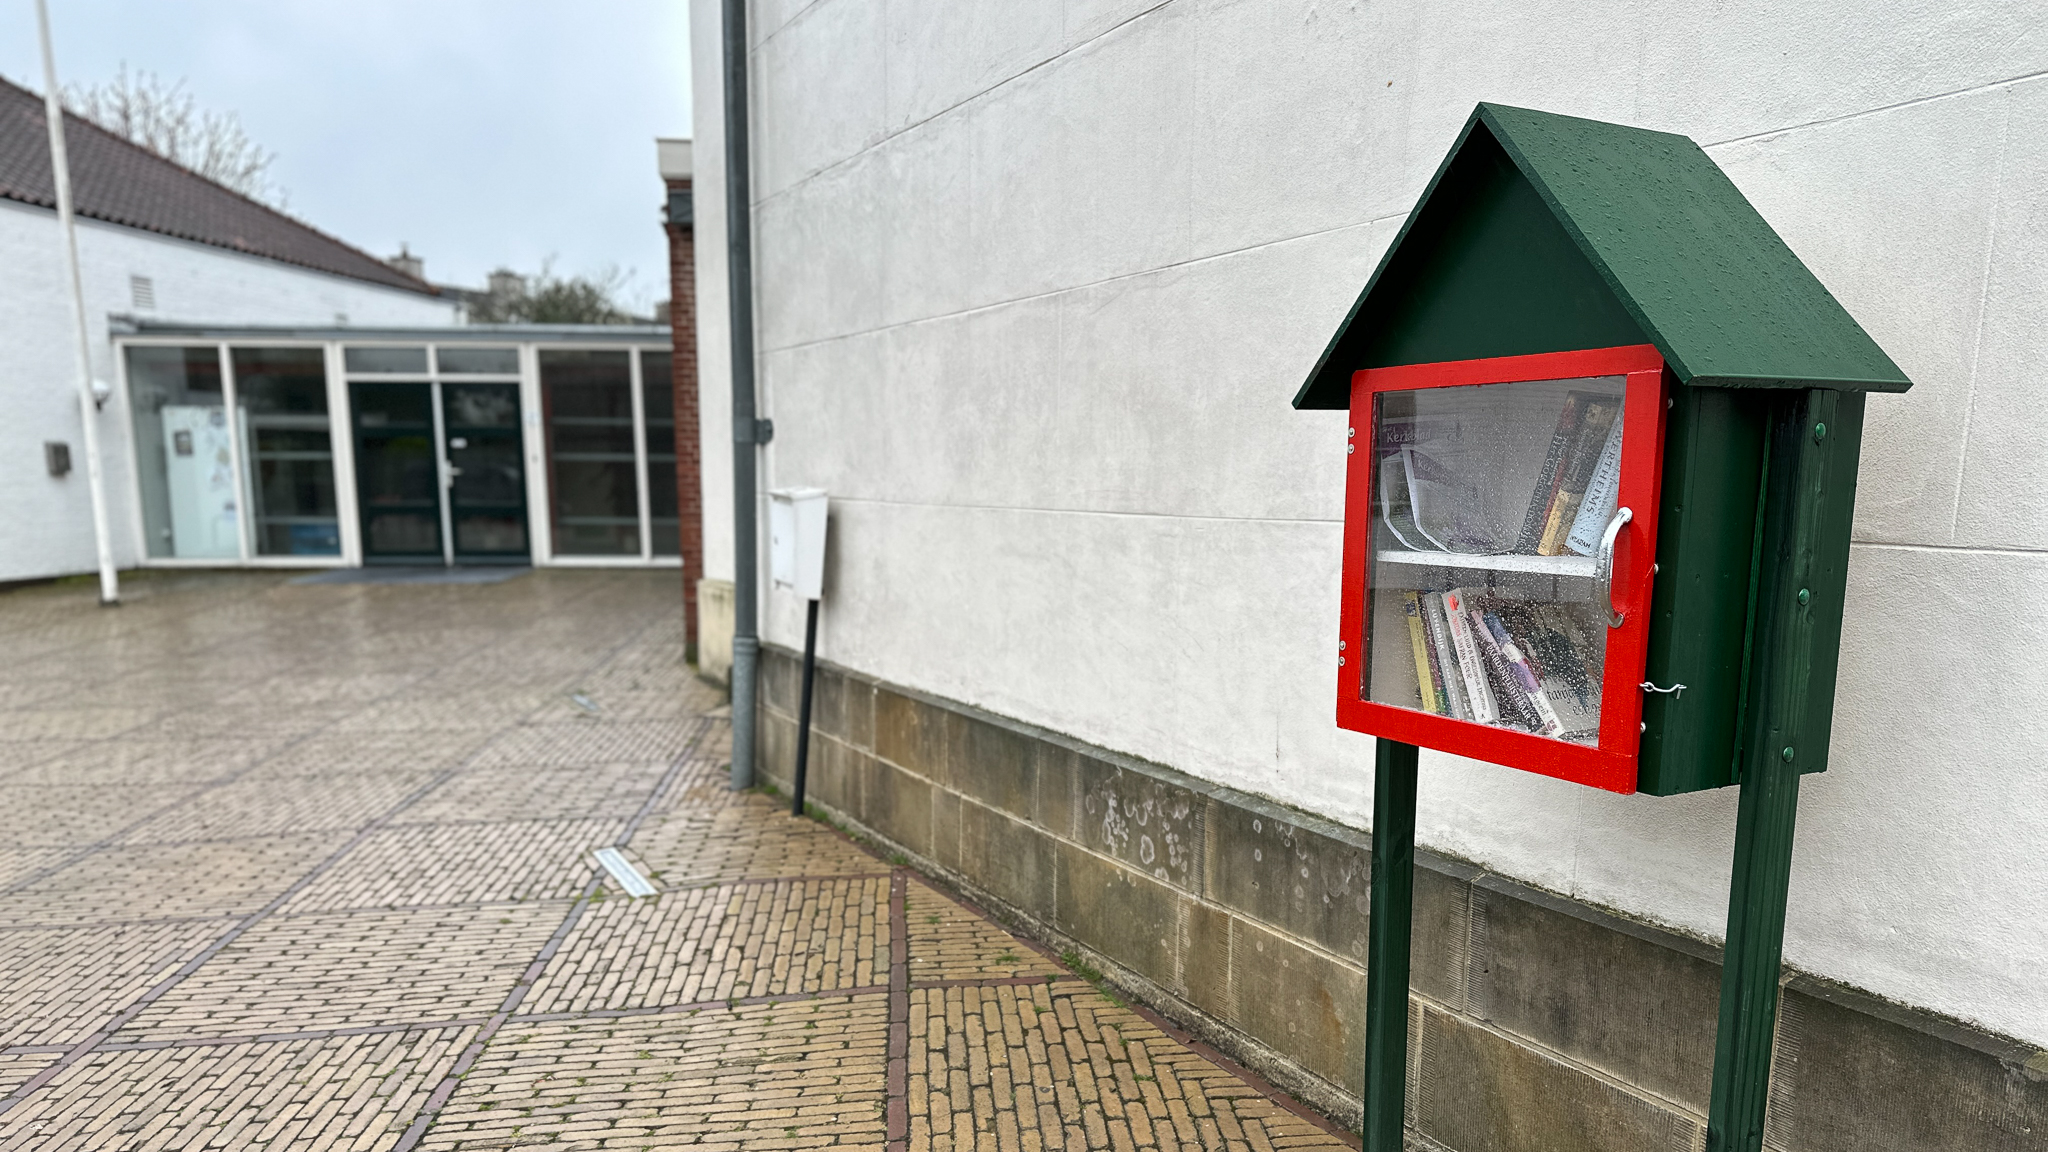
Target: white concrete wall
[(1038, 279), (46, 523)]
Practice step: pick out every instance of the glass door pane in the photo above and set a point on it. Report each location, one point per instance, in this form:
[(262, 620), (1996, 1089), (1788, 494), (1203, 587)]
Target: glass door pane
[(397, 471), (1489, 506), (184, 453), (487, 496), (587, 408), (288, 450), (658, 403)]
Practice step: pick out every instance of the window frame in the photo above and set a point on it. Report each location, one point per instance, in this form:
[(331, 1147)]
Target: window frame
[(1611, 764)]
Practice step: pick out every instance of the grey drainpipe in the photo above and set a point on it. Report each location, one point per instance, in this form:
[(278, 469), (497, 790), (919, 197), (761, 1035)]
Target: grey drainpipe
[(747, 432)]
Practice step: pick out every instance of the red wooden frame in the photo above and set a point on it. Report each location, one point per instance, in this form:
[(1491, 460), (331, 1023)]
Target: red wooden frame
[(1611, 764)]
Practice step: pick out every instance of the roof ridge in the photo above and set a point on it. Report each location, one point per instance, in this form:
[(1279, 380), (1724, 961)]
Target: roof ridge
[(1544, 232), (104, 135)]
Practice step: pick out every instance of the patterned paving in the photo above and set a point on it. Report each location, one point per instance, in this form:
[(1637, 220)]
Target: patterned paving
[(310, 866)]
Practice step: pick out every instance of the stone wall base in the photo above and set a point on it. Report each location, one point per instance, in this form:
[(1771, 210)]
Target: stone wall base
[(1535, 1021)]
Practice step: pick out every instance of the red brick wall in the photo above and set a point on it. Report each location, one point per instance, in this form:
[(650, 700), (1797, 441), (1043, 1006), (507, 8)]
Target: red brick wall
[(682, 274)]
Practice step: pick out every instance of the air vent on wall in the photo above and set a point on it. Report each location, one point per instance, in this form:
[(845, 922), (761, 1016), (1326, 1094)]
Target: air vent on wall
[(143, 292)]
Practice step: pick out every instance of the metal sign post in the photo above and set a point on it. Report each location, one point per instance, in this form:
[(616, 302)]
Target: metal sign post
[(796, 560)]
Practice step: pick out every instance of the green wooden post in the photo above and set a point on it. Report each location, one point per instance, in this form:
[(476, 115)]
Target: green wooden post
[(1386, 954), (1804, 514)]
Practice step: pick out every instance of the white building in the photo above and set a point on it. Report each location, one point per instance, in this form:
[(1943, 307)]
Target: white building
[(280, 398), (1035, 284)]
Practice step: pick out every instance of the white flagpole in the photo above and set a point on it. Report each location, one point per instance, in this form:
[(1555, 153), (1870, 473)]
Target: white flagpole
[(88, 404)]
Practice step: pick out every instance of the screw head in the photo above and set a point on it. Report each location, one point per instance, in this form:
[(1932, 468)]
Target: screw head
[(1340, 664), (1350, 432), (1343, 644), (1787, 754), (1820, 433), (1350, 448), (1804, 596)]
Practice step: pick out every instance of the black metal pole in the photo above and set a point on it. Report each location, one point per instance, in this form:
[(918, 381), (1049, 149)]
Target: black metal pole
[(803, 711), (1386, 948)]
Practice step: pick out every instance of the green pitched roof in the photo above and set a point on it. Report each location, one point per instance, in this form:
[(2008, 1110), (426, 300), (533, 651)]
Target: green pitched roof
[(1546, 233)]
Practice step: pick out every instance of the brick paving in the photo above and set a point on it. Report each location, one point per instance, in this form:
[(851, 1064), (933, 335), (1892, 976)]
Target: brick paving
[(310, 866)]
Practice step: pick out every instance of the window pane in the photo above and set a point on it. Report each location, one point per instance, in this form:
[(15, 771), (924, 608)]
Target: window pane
[(658, 400), (587, 407), (282, 393), (459, 361), (482, 405), (385, 405), (184, 453), (412, 360), (1488, 505)]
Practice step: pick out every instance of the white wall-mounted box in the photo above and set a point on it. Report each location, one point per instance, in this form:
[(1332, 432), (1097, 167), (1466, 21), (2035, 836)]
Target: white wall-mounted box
[(796, 540)]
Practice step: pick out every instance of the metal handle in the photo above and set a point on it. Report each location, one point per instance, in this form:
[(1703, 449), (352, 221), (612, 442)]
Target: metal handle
[(1603, 564)]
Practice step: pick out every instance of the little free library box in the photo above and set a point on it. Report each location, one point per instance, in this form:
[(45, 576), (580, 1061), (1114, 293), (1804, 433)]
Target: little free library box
[(1572, 381), (1599, 478)]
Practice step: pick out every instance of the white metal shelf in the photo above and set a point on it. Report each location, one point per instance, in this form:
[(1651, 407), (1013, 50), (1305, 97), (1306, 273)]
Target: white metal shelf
[(1579, 566)]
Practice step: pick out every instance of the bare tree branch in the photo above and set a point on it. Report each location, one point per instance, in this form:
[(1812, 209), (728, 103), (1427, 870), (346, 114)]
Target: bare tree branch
[(139, 107)]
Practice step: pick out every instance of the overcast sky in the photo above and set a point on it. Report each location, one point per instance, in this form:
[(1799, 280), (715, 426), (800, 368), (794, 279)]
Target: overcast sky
[(482, 134)]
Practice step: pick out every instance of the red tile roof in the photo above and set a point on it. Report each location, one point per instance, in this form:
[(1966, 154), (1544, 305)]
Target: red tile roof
[(121, 183)]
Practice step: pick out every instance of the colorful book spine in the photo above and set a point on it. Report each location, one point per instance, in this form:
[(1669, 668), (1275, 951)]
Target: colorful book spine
[(1515, 708), (1485, 709), (1411, 607), (1571, 490), (1526, 676), (1446, 662), (1602, 494), (1552, 472)]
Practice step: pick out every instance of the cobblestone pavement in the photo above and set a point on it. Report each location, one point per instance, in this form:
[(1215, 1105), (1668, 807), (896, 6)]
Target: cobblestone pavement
[(310, 866)]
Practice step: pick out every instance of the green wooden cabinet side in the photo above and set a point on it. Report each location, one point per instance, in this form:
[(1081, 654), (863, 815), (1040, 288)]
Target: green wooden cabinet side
[(1713, 465), (1829, 581)]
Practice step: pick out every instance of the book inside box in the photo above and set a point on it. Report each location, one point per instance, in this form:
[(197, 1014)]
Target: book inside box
[(1489, 505)]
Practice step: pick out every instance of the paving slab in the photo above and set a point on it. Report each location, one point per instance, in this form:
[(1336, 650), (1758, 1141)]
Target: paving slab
[(314, 869)]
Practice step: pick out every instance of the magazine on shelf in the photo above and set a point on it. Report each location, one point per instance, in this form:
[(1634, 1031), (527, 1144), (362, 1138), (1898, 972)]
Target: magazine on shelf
[(1429, 487), (1432, 482)]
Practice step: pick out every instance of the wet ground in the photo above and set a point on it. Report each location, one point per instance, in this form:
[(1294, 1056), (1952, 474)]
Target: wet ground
[(310, 865)]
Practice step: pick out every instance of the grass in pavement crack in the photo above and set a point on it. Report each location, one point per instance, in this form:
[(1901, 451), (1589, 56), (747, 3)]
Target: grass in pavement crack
[(1092, 975)]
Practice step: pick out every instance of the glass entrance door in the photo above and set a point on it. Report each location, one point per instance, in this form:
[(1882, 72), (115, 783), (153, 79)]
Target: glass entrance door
[(487, 473), (398, 471), (440, 472)]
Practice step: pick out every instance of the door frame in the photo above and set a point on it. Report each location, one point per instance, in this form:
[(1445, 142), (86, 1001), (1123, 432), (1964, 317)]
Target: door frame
[(355, 431), (517, 438)]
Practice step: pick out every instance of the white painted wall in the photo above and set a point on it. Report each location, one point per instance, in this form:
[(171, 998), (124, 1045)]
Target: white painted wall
[(714, 338), (1038, 279), (46, 523)]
